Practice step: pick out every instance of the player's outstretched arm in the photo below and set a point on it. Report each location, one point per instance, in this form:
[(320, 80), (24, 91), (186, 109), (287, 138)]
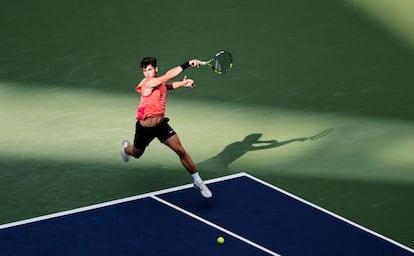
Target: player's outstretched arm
[(172, 73)]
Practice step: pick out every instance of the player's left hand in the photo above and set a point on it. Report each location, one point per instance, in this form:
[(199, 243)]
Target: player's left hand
[(188, 82)]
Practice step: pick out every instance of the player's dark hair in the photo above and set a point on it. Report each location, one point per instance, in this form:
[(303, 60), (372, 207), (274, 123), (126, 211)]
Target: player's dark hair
[(148, 61)]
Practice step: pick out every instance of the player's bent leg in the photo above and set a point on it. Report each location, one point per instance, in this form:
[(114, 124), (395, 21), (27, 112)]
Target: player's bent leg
[(128, 150), (134, 152)]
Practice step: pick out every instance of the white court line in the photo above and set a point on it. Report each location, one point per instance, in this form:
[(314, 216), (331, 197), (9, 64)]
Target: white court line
[(215, 226), (109, 203), (328, 212)]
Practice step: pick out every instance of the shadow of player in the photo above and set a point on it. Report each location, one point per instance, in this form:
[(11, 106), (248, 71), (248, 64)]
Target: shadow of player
[(251, 142)]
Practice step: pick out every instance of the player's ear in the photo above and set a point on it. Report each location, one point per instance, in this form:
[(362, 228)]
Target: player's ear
[(156, 69)]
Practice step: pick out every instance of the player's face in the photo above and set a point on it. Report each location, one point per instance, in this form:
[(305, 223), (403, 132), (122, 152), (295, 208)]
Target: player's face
[(149, 71)]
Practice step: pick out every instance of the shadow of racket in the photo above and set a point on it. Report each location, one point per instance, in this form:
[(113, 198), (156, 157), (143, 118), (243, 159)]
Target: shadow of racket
[(321, 134)]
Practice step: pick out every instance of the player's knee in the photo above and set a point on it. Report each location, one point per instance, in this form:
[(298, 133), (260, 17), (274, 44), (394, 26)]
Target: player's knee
[(181, 152)]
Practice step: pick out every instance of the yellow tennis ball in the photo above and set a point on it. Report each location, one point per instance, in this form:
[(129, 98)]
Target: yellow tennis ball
[(220, 240)]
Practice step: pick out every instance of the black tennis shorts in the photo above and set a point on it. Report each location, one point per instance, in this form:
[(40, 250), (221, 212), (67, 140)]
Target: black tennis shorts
[(144, 135)]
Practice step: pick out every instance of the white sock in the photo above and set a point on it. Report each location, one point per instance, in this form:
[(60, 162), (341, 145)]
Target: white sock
[(197, 178)]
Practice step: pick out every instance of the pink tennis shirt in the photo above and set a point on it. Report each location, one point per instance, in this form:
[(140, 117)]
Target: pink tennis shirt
[(153, 104)]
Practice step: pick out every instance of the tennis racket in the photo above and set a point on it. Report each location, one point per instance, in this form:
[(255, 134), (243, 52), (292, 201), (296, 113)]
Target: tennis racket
[(221, 63)]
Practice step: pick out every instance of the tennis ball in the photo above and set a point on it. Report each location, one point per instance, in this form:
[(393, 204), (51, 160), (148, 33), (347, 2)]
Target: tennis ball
[(220, 240)]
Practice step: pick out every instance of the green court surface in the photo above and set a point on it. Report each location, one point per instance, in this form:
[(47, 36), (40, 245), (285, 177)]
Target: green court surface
[(319, 102)]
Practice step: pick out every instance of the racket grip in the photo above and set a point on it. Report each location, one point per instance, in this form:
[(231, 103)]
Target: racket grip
[(203, 63)]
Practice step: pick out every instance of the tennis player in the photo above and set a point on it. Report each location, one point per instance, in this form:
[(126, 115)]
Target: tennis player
[(151, 121)]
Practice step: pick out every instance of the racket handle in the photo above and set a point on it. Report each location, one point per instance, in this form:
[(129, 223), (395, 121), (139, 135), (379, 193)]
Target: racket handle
[(203, 63)]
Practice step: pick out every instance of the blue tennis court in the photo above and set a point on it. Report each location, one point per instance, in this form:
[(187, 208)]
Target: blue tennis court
[(254, 217)]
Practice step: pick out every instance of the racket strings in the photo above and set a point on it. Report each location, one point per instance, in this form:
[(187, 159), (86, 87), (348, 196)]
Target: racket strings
[(223, 62)]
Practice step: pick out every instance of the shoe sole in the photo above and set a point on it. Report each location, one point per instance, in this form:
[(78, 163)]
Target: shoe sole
[(124, 156)]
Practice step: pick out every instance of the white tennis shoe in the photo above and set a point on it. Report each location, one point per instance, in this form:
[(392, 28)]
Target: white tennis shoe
[(124, 156), (205, 192)]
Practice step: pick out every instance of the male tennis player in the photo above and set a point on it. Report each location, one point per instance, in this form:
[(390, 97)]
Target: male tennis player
[(151, 120)]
